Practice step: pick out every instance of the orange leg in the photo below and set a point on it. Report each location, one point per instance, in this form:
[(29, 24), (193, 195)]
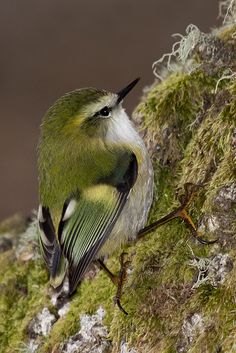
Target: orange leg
[(190, 191), (117, 280)]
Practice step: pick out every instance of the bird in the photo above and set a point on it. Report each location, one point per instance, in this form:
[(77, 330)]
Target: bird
[(95, 182)]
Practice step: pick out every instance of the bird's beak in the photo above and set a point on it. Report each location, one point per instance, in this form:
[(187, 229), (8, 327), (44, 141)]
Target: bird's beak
[(122, 93)]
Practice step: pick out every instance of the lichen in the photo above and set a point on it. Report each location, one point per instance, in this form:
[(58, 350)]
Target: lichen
[(180, 53), (227, 11), (91, 337)]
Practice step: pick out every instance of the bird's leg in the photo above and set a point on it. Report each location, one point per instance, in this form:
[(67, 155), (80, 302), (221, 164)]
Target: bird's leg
[(190, 191), (121, 280), (117, 280), (103, 267)]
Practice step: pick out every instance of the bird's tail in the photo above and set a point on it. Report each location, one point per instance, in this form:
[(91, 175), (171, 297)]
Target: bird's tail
[(51, 249), (57, 277)]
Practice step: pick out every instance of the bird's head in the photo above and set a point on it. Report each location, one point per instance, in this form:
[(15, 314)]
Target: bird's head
[(84, 112)]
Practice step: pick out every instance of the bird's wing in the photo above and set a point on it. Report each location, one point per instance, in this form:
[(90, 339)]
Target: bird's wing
[(88, 219)]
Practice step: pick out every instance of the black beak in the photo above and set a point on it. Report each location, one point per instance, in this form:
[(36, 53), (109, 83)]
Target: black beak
[(122, 93)]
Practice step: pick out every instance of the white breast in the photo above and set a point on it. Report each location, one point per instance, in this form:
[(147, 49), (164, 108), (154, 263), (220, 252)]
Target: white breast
[(135, 212)]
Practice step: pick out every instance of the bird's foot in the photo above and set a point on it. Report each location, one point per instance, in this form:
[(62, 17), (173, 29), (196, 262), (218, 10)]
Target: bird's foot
[(121, 278), (118, 280), (185, 200)]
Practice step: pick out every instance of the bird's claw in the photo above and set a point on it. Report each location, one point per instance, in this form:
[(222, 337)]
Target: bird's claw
[(121, 280)]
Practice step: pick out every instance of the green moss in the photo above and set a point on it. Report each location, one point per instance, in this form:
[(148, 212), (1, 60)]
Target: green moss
[(22, 295), (206, 149), (169, 110), (227, 34), (15, 224), (208, 157)]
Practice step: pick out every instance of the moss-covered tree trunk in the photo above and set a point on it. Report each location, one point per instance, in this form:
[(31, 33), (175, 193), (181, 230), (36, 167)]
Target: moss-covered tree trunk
[(180, 294)]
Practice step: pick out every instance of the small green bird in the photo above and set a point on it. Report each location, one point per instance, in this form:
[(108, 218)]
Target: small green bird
[(95, 181)]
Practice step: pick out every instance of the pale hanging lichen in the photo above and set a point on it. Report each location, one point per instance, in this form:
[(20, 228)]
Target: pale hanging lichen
[(180, 53), (227, 11), (227, 74)]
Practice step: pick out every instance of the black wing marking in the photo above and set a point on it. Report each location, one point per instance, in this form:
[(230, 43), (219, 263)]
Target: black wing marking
[(130, 175)]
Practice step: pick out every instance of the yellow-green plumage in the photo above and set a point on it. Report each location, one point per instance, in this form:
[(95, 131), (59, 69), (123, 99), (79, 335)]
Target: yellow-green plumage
[(95, 182)]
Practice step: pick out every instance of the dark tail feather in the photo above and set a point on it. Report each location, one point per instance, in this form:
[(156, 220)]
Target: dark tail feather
[(50, 247)]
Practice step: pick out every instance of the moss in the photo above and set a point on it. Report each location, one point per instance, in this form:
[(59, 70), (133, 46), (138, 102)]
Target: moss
[(208, 157), (227, 34), (169, 110), (206, 150), (15, 224), (22, 296)]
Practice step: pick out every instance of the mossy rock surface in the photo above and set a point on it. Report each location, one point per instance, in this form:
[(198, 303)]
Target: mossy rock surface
[(180, 294)]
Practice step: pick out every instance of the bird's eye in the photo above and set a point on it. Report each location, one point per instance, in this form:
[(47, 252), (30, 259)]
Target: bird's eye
[(104, 111)]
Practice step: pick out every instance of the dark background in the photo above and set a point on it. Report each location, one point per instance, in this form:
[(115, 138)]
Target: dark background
[(50, 47)]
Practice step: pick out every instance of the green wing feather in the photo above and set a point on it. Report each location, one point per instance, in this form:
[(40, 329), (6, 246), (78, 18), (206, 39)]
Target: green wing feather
[(91, 223)]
